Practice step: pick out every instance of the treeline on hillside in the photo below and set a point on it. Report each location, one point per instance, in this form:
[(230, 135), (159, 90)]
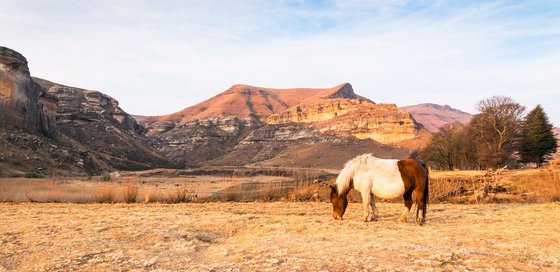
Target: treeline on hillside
[(500, 135)]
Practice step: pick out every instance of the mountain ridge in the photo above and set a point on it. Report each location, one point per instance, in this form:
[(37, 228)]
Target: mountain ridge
[(250, 102)]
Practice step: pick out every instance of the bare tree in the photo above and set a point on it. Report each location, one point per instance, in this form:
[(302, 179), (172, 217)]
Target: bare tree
[(497, 128)]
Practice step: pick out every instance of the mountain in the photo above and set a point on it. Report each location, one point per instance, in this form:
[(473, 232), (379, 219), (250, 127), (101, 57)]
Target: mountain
[(56, 129), (247, 124), (252, 103), (434, 116)]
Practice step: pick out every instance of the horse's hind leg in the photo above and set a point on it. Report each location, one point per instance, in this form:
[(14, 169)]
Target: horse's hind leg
[(419, 194), (407, 205)]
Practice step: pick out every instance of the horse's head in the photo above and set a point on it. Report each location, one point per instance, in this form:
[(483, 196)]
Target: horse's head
[(339, 202)]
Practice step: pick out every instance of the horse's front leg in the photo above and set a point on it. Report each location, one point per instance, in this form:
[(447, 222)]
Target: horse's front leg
[(366, 199), (374, 211)]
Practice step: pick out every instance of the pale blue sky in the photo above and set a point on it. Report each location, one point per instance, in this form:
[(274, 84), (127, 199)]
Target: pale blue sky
[(158, 57)]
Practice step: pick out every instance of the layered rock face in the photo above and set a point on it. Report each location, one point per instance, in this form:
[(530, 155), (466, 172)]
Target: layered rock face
[(23, 104), (384, 123), (257, 123), (82, 106), (200, 139)]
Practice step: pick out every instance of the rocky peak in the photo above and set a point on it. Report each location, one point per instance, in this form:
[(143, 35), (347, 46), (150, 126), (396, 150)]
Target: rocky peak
[(13, 61), (343, 90)]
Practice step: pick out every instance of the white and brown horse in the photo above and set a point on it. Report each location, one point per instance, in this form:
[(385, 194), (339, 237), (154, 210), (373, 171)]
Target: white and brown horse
[(383, 178)]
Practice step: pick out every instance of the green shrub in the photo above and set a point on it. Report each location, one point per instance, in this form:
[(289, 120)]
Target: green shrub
[(106, 178), (33, 174)]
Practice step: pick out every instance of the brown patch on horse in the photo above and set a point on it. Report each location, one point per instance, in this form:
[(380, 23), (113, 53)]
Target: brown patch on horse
[(415, 177), (411, 172)]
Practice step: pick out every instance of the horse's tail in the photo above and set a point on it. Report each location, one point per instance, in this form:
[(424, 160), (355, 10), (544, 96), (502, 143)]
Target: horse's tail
[(426, 190)]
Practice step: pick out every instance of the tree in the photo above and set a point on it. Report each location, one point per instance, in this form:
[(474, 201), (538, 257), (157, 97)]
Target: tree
[(496, 129), (537, 138), (448, 149)]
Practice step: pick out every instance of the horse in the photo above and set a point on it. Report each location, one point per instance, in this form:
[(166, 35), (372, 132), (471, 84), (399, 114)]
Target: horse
[(383, 178)]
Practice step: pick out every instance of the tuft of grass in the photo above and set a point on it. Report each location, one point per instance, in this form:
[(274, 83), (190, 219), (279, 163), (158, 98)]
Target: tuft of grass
[(147, 197), (271, 191), (106, 195), (180, 195), (130, 192), (106, 178)]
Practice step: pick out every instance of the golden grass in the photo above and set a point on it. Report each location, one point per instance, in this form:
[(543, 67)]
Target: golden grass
[(540, 186)]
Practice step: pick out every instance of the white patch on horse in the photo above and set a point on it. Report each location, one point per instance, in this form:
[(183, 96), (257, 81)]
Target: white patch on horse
[(385, 178)]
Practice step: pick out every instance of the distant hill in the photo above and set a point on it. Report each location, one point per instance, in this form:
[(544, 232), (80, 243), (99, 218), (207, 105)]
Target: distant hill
[(434, 116)]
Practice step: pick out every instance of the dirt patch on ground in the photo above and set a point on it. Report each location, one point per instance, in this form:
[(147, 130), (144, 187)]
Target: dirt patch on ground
[(275, 236)]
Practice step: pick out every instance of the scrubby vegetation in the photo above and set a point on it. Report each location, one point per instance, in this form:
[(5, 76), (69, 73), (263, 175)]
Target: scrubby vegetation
[(499, 136)]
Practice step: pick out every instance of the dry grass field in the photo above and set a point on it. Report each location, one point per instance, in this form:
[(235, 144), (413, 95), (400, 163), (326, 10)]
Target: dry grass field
[(275, 236), (188, 223)]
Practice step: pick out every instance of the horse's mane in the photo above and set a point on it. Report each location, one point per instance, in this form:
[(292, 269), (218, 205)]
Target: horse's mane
[(347, 173)]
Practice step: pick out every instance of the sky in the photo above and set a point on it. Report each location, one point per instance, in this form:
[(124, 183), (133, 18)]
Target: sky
[(158, 57)]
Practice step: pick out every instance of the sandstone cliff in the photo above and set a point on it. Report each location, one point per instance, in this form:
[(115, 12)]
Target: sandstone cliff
[(384, 123), (434, 116)]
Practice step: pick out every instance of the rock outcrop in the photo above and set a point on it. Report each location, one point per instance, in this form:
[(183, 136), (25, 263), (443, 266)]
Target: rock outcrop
[(434, 116), (94, 123), (23, 104)]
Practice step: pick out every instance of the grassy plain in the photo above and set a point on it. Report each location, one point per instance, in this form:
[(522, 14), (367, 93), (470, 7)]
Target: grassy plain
[(275, 236)]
